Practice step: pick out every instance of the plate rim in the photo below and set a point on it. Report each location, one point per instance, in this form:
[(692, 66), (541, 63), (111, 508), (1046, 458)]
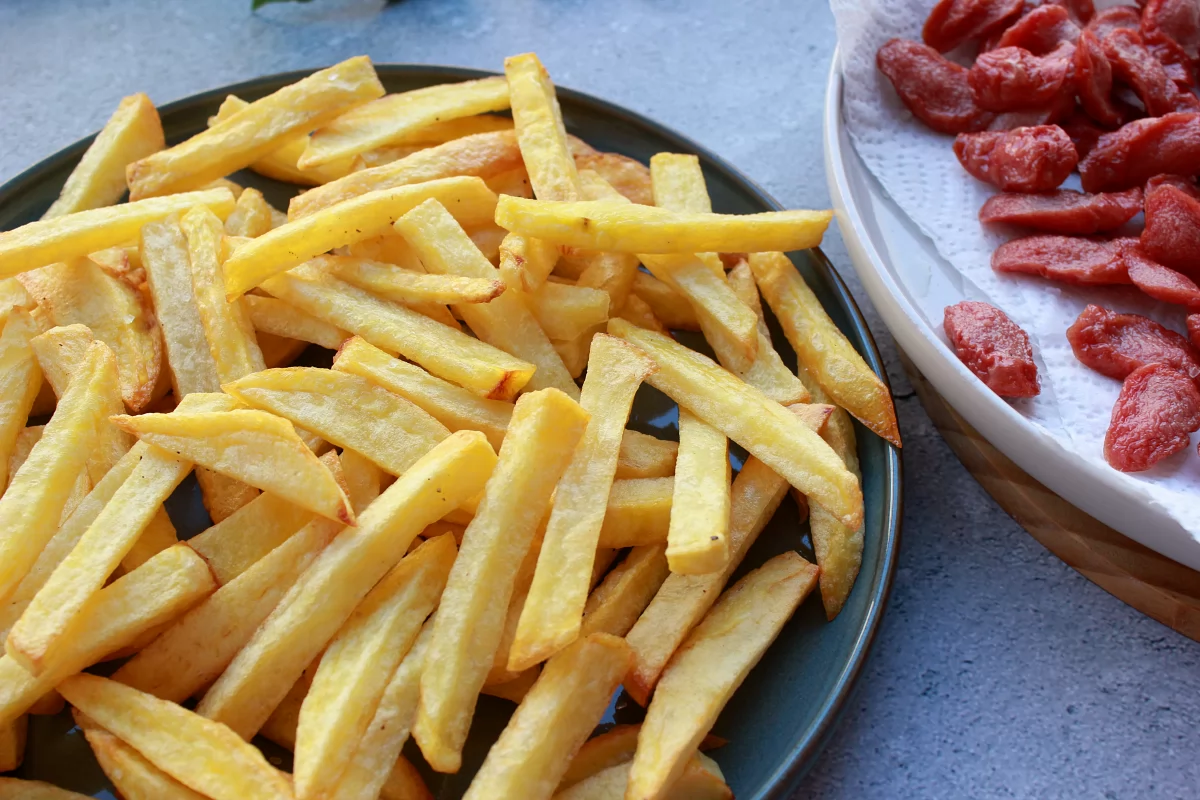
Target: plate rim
[(811, 741)]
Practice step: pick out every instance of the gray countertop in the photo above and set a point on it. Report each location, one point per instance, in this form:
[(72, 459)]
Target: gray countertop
[(999, 672)]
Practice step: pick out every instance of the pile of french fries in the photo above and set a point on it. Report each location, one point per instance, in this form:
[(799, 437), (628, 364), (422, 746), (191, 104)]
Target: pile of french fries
[(443, 513)]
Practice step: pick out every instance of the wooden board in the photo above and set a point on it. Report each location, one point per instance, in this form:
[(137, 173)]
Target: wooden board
[(1153, 584)]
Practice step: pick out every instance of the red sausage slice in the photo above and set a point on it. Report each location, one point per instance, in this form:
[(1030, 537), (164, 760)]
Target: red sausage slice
[(1035, 159), (993, 347), (1117, 344), (1157, 410), (1068, 259), (933, 88), (1064, 211)]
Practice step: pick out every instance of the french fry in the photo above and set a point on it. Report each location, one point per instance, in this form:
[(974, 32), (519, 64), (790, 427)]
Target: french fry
[(575, 352), (192, 653), (554, 608), (80, 292), (482, 155), (698, 538), (552, 722), (701, 779), (367, 774), (280, 163), (31, 507), (499, 672), (17, 789), (75, 235), (677, 183), (632, 228), (629, 177), (540, 129), (443, 351), (667, 304), (226, 325), (396, 118), (269, 315), (135, 603), (638, 512), (639, 313), (565, 311), (326, 594), (526, 263), (158, 535), (12, 743), (201, 754), (358, 664), (359, 218), (748, 417), (615, 746), (60, 352), (251, 215), (767, 372), (515, 690), (820, 346), (280, 727), (253, 447), (611, 272), (505, 322), (364, 480), (615, 605), (405, 783), (390, 248), (246, 136), (131, 133), (47, 624), (710, 666), (133, 776), (20, 381), (346, 410), (545, 429), (402, 286), (164, 251), (645, 456), (278, 351)]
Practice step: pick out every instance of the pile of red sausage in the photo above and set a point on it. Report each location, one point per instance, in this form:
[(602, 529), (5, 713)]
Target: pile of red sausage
[(1056, 87)]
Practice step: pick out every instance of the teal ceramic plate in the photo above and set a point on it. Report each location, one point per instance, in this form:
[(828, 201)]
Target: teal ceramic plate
[(778, 721)]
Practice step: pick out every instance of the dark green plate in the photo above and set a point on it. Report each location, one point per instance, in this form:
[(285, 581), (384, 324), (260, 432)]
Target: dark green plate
[(778, 721)]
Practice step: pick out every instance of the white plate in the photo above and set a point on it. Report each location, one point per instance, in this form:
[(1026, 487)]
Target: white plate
[(904, 276)]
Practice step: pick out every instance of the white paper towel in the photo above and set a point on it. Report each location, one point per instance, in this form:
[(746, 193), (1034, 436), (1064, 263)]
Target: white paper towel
[(918, 169)]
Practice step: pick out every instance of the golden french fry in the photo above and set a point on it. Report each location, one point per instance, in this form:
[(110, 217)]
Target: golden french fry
[(710, 666), (359, 218), (481, 155), (639, 313), (545, 428), (615, 605), (540, 129), (526, 263), (133, 776), (575, 352), (226, 324), (80, 292), (192, 653), (678, 184), (392, 248), (12, 743), (199, 753), (280, 727), (135, 603), (552, 613), (278, 351), (358, 664), (632, 228), (254, 447), (499, 672), (515, 690), (615, 746), (748, 417), (132, 132), (667, 304), (251, 215), (75, 235), (17, 789), (645, 456), (164, 251), (158, 535), (364, 480), (565, 311), (346, 410), (443, 351), (251, 133), (396, 118), (404, 286), (638, 512), (700, 779), (326, 594), (820, 346), (269, 315), (405, 783), (767, 372), (367, 773), (47, 624), (31, 507), (280, 163), (554, 719), (629, 177), (698, 539), (506, 322), (610, 272), (20, 381)]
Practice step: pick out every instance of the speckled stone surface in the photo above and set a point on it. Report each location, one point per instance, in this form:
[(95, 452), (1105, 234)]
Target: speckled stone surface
[(999, 672)]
